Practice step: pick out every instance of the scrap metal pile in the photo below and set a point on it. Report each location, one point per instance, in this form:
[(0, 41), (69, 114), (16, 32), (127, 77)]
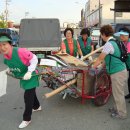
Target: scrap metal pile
[(68, 75)]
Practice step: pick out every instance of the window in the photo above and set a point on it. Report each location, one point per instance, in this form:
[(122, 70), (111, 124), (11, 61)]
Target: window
[(95, 32)]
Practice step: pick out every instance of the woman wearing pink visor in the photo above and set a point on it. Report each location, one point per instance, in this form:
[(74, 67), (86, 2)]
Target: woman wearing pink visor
[(124, 35)]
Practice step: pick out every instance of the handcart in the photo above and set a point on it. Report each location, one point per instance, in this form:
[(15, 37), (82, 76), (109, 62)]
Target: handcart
[(70, 76)]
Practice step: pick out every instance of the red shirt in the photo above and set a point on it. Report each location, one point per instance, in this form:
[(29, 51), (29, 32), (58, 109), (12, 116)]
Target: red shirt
[(71, 46)]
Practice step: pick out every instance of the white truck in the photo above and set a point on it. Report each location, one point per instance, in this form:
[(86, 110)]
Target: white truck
[(41, 36)]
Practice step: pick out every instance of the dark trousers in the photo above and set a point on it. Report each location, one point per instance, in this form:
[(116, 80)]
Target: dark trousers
[(31, 102), (129, 81)]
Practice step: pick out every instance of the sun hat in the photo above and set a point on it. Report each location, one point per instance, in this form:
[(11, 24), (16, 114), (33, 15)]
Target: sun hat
[(121, 33), (4, 39)]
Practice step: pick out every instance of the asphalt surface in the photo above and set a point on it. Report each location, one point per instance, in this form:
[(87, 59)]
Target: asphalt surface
[(57, 114)]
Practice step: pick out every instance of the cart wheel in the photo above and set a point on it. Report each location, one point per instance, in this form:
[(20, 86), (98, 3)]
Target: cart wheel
[(102, 89)]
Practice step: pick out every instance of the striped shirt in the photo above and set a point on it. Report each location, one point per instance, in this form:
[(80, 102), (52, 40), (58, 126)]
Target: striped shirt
[(108, 47)]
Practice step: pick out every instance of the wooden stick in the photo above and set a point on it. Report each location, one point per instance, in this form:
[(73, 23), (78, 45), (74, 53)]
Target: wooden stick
[(93, 52), (54, 92), (22, 77)]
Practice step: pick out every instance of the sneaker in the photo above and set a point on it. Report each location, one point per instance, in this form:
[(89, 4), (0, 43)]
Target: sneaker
[(39, 109), (116, 115), (112, 110), (127, 96), (24, 124)]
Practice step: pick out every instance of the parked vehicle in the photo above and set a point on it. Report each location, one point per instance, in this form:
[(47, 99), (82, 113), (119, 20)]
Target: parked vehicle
[(41, 36), (62, 34), (117, 26), (95, 35), (13, 33)]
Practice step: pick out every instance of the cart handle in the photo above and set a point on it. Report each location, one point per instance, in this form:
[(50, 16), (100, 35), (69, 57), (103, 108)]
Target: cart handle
[(32, 75), (93, 52)]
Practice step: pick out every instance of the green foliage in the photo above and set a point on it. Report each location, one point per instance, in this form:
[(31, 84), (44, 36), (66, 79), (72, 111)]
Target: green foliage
[(3, 23)]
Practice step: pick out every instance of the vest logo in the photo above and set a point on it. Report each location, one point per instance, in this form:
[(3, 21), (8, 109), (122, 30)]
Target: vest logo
[(15, 70)]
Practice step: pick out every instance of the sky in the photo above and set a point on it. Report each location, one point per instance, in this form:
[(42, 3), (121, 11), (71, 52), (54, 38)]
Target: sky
[(64, 10)]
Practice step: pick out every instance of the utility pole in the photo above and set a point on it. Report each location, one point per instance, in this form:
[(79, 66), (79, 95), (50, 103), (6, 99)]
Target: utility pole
[(99, 4), (6, 9)]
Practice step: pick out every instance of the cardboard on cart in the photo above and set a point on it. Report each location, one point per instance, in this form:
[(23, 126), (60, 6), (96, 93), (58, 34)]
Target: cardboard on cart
[(49, 62), (71, 60)]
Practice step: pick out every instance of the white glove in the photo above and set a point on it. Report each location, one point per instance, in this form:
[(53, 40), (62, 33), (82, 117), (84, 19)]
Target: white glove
[(27, 76), (8, 70), (100, 66), (81, 58), (90, 58)]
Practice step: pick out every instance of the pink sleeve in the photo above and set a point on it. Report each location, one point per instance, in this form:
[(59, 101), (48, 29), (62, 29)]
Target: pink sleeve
[(25, 55), (128, 47), (63, 47)]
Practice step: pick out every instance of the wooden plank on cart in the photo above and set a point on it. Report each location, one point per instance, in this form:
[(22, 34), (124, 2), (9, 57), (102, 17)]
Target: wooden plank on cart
[(71, 60), (61, 88), (92, 53)]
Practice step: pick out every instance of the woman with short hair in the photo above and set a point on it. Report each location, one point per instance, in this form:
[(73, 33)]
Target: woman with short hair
[(116, 69), (70, 45), (85, 42)]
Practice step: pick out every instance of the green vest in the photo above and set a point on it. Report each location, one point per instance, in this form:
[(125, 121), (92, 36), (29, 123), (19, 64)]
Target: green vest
[(74, 46), (113, 64), (19, 69), (85, 49), (128, 59)]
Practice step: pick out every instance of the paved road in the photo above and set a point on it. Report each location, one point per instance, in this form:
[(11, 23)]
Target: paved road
[(57, 114), (2, 66)]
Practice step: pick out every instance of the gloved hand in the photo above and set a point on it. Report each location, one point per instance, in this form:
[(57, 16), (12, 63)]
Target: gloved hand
[(90, 58), (27, 76), (82, 58), (100, 66), (8, 70)]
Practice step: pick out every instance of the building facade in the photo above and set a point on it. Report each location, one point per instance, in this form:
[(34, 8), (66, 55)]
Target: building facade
[(98, 13)]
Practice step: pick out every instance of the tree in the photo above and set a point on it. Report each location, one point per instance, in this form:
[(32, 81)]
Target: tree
[(3, 23)]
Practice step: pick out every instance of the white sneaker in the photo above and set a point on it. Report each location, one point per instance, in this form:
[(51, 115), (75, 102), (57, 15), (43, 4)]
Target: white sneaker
[(24, 124), (39, 109)]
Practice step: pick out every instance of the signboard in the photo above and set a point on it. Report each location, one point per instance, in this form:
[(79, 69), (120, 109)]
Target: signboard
[(122, 6)]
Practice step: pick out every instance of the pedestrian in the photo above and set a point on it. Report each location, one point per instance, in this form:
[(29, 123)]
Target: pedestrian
[(116, 69), (124, 36), (22, 63), (85, 41), (70, 45)]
